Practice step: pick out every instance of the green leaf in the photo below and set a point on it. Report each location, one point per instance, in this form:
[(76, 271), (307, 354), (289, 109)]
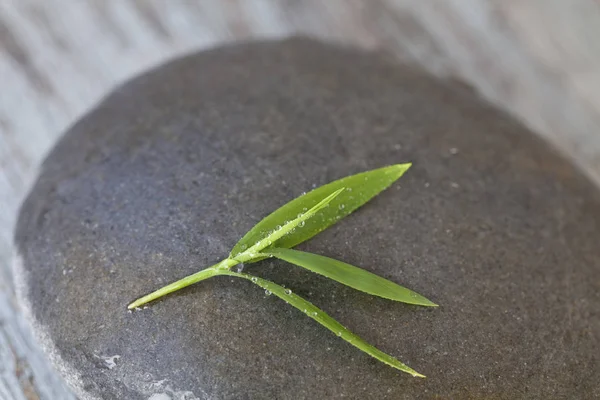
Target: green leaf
[(322, 318), (280, 231), (350, 275), (359, 189)]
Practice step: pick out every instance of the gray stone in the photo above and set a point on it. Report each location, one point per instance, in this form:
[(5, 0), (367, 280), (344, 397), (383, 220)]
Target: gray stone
[(165, 174)]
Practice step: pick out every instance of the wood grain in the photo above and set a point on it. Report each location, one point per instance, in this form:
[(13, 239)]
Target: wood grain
[(537, 59)]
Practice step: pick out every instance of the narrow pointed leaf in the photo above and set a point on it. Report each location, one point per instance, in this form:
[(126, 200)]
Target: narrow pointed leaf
[(360, 188), (350, 275), (276, 234), (322, 318)]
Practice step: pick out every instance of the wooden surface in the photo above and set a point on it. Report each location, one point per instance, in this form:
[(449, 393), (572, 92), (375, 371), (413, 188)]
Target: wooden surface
[(538, 59)]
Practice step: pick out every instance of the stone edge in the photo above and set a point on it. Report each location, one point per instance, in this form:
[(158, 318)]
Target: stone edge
[(66, 371)]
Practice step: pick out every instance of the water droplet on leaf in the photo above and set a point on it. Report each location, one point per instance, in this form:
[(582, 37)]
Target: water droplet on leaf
[(255, 279), (267, 292), (288, 291)]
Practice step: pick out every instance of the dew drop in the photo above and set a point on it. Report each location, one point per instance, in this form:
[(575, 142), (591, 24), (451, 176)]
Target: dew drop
[(342, 206), (278, 228), (244, 247), (315, 313), (267, 292), (255, 279), (301, 224), (305, 209), (239, 268), (339, 333), (288, 291), (349, 189)]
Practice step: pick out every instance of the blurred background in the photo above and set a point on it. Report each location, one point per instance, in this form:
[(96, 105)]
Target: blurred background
[(537, 59)]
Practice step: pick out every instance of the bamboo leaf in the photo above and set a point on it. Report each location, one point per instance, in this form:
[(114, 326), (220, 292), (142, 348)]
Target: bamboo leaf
[(350, 275), (298, 221), (322, 318), (280, 231), (359, 189)]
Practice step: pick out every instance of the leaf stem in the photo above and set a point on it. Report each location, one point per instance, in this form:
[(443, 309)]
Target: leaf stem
[(187, 281)]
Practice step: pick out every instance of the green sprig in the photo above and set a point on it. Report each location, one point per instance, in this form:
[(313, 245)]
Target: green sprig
[(298, 221)]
